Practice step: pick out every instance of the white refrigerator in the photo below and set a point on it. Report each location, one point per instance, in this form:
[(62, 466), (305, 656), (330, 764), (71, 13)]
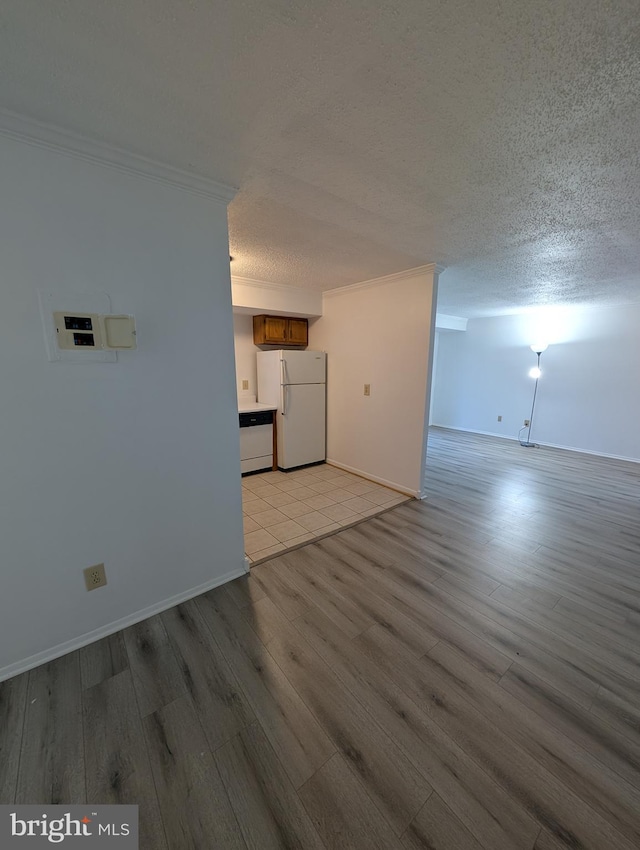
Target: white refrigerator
[(295, 383)]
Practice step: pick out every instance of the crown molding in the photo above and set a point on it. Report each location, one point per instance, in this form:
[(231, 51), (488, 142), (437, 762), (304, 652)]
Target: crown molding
[(32, 132), (265, 284), (447, 322), (418, 271)]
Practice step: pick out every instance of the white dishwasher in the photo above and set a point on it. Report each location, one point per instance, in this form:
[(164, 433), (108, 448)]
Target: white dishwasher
[(256, 441)]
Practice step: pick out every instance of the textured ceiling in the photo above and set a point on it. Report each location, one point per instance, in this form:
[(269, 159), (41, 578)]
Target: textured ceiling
[(500, 139)]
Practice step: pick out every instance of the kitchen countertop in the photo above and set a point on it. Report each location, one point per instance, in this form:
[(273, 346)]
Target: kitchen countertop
[(255, 407)]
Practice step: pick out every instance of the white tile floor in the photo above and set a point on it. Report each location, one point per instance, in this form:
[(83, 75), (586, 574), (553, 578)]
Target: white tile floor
[(283, 509)]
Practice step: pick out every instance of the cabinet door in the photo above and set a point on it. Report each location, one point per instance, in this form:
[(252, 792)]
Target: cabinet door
[(297, 331), (275, 329), (269, 330)]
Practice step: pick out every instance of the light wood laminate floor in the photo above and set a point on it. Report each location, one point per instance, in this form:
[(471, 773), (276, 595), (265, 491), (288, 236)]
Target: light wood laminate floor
[(459, 673)]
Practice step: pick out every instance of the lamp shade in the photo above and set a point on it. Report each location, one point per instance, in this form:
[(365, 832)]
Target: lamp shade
[(539, 347)]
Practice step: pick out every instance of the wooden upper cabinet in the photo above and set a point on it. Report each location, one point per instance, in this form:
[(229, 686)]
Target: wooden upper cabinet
[(280, 330), (269, 330), (298, 331)]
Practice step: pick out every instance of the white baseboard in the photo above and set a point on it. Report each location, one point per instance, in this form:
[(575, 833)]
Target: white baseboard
[(391, 484), (539, 443), (588, 452), (61, 649), (471, 431)]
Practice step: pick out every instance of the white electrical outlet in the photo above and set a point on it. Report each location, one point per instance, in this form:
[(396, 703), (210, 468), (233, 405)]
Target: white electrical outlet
[(245, 384), (527, 422), (367, 389), (95, 576), (499, 418)]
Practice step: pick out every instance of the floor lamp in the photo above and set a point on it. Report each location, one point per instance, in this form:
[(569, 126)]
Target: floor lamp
[(537, 349)]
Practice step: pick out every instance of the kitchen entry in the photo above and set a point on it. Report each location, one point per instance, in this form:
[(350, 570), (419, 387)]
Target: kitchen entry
[(290, 495), (285, 509)]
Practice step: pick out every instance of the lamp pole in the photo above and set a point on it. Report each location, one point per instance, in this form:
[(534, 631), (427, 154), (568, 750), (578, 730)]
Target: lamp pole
[(537, 349)]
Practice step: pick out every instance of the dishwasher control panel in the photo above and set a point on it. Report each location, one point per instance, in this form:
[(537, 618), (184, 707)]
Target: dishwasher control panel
[(261, 417)]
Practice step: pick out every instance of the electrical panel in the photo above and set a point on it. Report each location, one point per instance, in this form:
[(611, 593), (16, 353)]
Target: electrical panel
[(79, 331)]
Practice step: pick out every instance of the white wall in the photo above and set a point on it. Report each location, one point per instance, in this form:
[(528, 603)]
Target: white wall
[(135, 463), (589, 393), (450, 323), (434, 366), (258, 296), (245, 354), (379, 334)]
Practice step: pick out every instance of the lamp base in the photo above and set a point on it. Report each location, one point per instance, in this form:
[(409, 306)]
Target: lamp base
[(529, 445)]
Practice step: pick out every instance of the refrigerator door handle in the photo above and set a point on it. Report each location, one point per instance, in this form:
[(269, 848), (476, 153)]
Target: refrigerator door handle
[(283, 383)]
